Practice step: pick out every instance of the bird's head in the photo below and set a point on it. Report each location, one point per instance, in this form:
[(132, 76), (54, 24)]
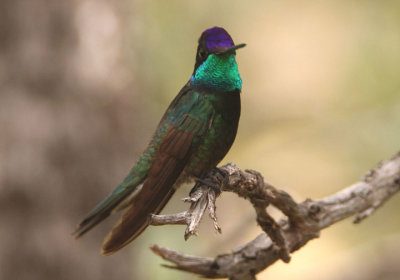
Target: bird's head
[(216, 67), (215, 41)]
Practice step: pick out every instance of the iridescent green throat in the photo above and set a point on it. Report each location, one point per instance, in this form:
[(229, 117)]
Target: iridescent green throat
[(218, 73)]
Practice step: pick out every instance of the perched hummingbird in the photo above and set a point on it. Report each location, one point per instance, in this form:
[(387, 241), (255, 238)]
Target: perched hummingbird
[(195, 133)]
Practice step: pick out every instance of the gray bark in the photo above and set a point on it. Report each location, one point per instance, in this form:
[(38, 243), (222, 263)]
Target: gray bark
[(302, 223)]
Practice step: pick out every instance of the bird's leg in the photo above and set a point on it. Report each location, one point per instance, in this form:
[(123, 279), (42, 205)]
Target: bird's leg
[(205, 182), (203, 196), (214, 179)]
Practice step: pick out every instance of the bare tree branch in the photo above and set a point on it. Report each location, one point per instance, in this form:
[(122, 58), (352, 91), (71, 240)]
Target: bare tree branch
[(303, 222), (202, 197)]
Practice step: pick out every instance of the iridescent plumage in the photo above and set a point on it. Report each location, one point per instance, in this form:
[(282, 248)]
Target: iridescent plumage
[(218, 73), (195, 133)]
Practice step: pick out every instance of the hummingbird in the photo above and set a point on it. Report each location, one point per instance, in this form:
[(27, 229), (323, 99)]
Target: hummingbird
[(195, 133)]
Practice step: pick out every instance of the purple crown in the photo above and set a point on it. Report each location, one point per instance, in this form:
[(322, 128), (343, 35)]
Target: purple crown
[(217, 38)]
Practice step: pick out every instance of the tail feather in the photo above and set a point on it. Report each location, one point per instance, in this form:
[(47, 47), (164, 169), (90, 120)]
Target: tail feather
[(158, 186), (105, 208), (155, 193)]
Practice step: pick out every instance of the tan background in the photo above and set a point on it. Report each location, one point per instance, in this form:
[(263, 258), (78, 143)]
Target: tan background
[(83, 84)]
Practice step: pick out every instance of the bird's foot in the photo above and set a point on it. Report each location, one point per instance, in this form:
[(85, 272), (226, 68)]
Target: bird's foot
[(214, 180), (208, 183), (203, 196)]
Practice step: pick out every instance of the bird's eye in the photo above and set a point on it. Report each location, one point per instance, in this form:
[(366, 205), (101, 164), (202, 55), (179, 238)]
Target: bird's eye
[(202, 54)]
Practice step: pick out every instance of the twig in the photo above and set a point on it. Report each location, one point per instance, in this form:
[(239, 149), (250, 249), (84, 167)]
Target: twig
[(305, 219)]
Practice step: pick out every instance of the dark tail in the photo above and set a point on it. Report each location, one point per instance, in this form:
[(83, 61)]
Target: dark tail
[(157, 189), (112, 202), (151, 199), (134, 221)]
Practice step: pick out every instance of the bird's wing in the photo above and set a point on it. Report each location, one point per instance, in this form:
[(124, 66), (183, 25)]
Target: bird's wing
[(118, 199), (190, 120)]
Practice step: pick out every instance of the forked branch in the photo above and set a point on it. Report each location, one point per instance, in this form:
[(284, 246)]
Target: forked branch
[(302, 223)]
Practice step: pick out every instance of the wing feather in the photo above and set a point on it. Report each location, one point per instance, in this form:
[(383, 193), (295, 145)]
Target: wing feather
[(181, 141)]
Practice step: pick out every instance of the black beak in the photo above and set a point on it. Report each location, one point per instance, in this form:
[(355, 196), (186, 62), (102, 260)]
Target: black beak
[(232, 49)]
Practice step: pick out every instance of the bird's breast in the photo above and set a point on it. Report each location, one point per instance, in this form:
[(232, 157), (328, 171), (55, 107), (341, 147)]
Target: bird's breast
[(219, 137)]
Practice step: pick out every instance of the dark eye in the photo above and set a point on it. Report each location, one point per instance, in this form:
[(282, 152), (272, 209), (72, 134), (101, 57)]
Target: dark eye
[(202, 54)]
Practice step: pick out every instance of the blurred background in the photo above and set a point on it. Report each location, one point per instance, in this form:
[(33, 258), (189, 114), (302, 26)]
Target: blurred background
[(83, 84)]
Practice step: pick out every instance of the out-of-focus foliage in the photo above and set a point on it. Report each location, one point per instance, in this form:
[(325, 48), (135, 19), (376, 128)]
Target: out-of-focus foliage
[(83, 83)]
